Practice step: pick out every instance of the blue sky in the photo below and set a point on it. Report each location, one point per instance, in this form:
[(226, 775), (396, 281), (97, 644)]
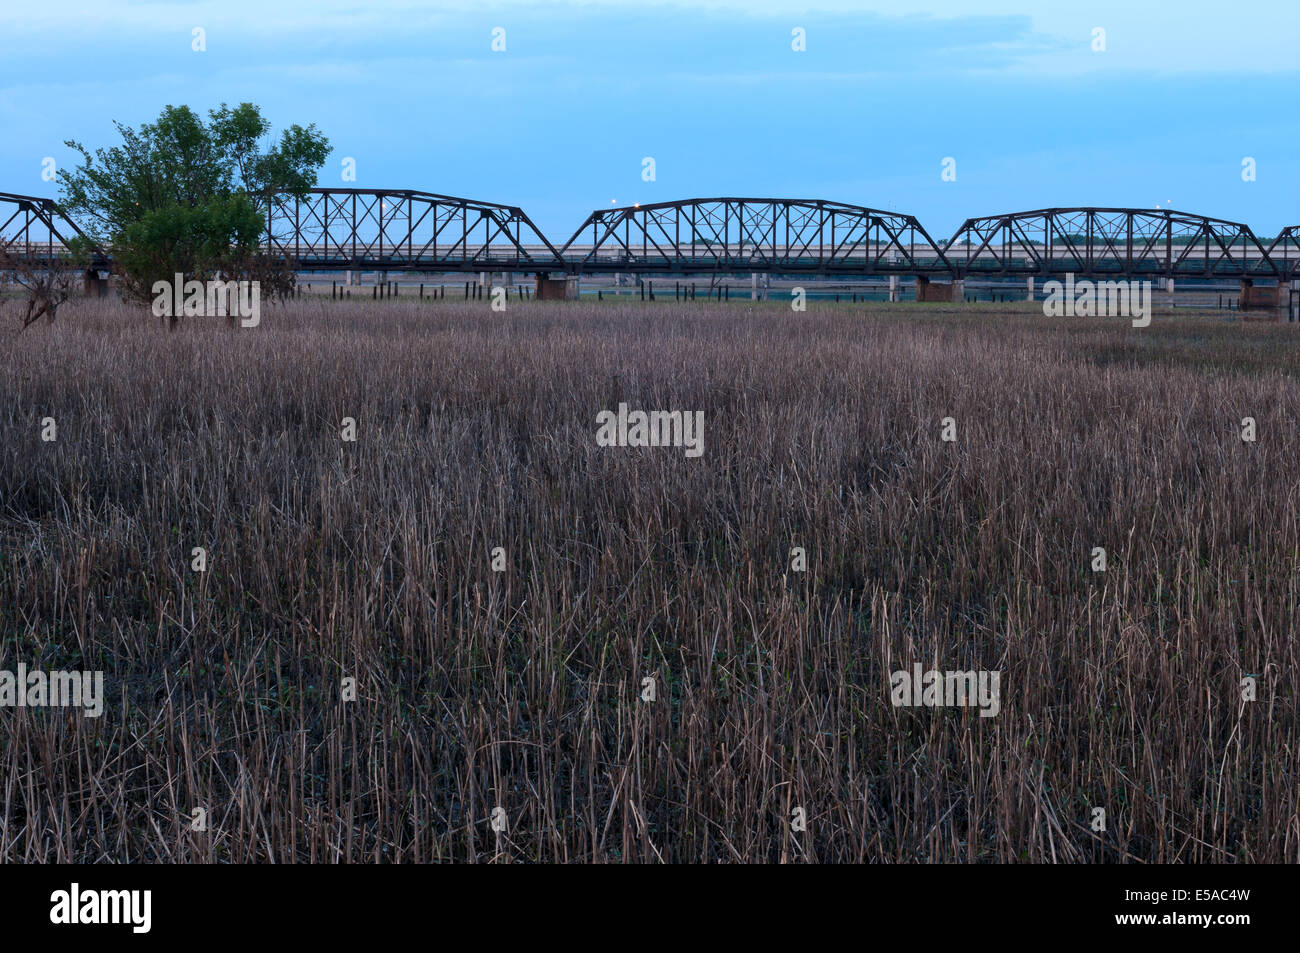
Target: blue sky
[(560, 122)]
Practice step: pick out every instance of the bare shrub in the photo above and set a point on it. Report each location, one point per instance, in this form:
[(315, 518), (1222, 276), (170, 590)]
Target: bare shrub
[(45, 284)]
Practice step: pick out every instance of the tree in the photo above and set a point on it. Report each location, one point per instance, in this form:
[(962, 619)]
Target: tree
[(181, 196)]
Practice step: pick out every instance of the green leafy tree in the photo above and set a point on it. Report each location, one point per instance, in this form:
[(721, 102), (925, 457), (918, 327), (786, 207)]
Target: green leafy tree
[(184, 196)]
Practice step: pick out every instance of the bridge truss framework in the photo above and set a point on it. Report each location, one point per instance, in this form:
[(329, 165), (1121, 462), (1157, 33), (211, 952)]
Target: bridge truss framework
[(337, 229)]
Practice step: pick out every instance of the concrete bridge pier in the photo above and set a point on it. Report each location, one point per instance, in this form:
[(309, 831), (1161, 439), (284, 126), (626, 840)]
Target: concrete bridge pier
[(96, 287), (1265, 303), (564, 288), (893, 288), (1029, 288), (927, 290)]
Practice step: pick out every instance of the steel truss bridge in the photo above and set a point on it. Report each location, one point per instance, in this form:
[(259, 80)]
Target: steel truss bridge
[(345, 229)]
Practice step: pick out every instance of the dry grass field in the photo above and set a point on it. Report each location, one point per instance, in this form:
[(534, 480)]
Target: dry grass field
[(523, 689)]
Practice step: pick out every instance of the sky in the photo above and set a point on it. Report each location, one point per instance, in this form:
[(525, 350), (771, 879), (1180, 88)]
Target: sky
[(942, 109)]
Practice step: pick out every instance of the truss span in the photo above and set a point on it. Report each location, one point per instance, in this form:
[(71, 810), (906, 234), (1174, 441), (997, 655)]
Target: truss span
[(789, 236), (403, 229), (1108, 241), (1284, 253), (32, 227)]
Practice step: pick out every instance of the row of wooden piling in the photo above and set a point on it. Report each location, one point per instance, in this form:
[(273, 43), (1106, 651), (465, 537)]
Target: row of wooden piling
[(682, 291), (391, 289)]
